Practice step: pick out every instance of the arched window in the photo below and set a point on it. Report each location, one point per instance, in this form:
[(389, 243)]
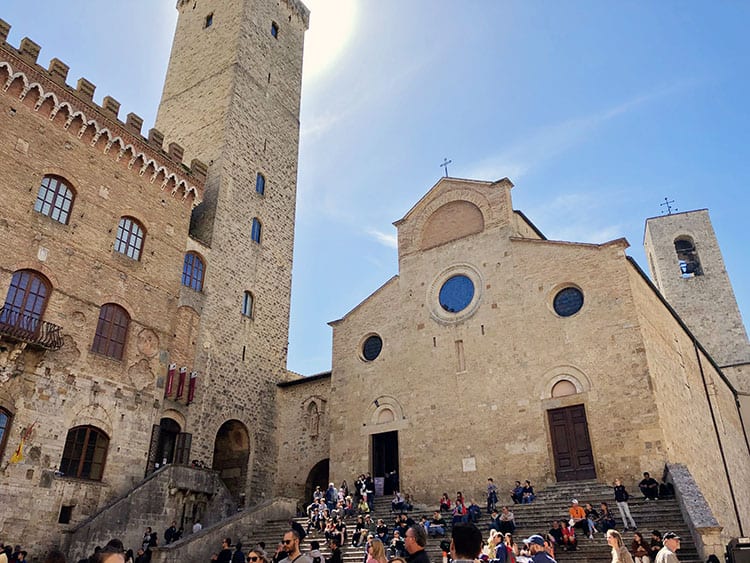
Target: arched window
[(255, 232), (25, 302), (129, 238), (54, 199), (85, 453), (247, 304), (5, 419), (260, 183), (192, 271), (687, 255), (111, 331)]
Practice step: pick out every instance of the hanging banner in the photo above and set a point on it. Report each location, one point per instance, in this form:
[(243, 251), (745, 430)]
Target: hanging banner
[(169, 387), (191, 386), (181, 383)]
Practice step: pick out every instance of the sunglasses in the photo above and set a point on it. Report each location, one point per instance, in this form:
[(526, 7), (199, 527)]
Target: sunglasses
[(252, 558), (287, 542)]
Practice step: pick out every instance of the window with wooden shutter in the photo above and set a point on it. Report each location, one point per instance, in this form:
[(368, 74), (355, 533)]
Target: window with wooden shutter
[(111, 331)]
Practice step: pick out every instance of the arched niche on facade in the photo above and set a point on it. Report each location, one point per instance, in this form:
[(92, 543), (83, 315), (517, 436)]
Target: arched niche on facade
[(562, 381), (384, 414), (313, 412)]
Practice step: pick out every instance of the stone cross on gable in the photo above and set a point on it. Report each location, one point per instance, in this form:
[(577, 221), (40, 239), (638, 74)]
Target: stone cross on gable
[(445, 164), (667, 204)]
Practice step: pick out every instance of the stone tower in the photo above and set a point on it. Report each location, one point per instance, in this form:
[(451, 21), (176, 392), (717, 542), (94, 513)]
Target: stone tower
[(687, 267), (232, 98)]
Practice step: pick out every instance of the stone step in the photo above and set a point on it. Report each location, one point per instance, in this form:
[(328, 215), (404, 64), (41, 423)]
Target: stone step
[(551, 503)]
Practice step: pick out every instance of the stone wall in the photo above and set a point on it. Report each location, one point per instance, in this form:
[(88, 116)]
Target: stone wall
[(231, 96), (705, 302), (175, 493), (57, 390), (303, 432), (240, 527), (690, 395)]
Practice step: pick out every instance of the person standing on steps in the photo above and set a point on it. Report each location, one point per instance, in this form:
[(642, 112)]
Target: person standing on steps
[(538, 552), (621, 497), (667, 554), (620, 553), (291, 547), (415, 542), (335, 547), (466, 543)]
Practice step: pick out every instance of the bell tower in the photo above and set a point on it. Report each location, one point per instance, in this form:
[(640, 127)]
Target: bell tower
[(232, 98), (686, 265)]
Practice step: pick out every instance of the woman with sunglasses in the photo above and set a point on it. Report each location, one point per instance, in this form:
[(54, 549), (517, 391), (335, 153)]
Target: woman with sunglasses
[(257, 556)]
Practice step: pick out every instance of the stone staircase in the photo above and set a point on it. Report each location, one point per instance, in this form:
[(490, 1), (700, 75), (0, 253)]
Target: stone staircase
[(550, 504)]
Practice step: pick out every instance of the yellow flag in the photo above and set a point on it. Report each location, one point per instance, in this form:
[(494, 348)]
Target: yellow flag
[(18, 454)]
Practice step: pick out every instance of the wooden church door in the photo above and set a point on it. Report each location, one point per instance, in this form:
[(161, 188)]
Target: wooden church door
[(574, 460)]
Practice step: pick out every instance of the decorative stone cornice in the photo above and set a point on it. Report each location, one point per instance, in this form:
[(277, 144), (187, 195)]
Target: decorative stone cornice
[(72, 109)]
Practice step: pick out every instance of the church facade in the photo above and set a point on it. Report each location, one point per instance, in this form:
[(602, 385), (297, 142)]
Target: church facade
[(147, 283), (498, 353)]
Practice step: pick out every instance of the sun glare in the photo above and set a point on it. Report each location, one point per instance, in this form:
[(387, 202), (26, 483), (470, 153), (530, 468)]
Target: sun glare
[(332, 24)]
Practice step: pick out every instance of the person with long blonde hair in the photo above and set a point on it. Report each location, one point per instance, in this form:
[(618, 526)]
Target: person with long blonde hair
[(376, 552), (620, 553)]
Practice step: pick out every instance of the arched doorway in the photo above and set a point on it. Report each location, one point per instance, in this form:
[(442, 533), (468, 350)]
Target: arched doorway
[(318, 476), (169, 429), (231, 454)]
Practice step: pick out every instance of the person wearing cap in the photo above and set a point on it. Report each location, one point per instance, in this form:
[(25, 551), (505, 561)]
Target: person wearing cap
[(667, 554), (578, 517), (538, 552)]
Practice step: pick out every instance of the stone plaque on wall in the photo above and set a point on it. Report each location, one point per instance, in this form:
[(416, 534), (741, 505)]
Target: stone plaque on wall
[(469, 464)]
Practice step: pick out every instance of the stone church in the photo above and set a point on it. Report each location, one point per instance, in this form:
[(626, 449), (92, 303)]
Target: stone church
[(144, 329)]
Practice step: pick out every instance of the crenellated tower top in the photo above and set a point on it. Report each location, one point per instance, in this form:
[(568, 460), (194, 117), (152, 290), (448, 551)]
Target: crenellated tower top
[(74, 109)]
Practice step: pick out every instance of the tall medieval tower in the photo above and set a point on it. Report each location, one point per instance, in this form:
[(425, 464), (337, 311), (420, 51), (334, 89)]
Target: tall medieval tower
[(232, 98), (687, 267)]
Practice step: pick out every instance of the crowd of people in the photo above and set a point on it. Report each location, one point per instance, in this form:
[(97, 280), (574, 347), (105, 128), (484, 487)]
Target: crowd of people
[(389, 540), (382, 542)]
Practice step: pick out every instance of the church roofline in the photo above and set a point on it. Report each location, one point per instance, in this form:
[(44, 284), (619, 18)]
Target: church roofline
[(378, 290), (305, 379), (530, 224), (676, 213), (682, 324), (444, 179), (622, 241), (645, 224)]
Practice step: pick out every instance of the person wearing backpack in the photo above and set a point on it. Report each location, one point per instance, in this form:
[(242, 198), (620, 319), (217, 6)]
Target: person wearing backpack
[(314, 554)]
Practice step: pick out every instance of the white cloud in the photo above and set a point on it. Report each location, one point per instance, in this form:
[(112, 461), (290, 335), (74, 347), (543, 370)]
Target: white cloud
[(389, 240), (551, 141)]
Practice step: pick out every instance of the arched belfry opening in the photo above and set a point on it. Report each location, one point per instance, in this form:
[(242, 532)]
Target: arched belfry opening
[(231, 455), (687, 256)]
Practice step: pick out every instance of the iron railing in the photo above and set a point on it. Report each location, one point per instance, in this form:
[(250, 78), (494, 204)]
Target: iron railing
[(29, 329)]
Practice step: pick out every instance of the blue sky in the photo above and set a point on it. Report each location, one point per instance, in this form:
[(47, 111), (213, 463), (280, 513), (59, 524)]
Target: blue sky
[(596, 111)]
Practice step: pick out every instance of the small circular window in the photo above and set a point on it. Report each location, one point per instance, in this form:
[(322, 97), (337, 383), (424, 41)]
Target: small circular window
[(372, 347), (456, 293), (568, 301)]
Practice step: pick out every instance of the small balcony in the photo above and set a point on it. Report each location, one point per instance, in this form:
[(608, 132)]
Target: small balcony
[(21, 327)]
